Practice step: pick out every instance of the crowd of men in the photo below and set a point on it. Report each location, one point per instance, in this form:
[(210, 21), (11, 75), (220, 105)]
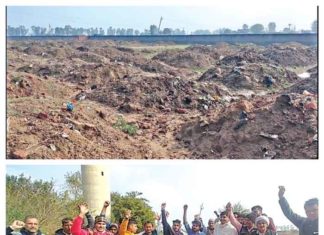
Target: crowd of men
[(227, 223)]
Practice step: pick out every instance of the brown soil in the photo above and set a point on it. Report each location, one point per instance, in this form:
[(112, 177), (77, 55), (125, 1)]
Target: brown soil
[(183, 102)]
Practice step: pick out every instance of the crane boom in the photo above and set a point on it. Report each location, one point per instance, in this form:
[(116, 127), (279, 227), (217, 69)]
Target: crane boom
[(160, 24)]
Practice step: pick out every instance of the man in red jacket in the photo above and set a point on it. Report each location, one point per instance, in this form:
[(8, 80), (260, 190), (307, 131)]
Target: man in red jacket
[(99, 227)]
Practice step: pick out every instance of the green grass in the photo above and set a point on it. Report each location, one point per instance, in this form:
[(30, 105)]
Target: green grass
[(16, 79), (122, 125), (156, 49), (199, 69)]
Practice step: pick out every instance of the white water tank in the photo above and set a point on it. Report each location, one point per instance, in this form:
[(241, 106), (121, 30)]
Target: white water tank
[(96, 188)]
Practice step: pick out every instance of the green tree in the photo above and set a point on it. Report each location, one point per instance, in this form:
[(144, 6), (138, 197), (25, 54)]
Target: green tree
[(27, 197), (245, 28), (74, 185), (257, 28), (272, 27), (314, 26), (237, 207), (141, 211), (154, 30)]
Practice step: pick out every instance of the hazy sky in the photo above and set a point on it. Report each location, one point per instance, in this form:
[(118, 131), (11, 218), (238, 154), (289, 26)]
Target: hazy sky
[(225, 14), (212, 183)]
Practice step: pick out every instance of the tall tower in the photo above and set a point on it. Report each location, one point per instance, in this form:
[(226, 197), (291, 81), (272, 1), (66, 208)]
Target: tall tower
[(96, 188)]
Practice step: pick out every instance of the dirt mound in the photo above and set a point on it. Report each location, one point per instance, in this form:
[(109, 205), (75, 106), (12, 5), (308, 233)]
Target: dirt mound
[(105, 99), (185, 59), (308, 84), (166, 93), (275, 128), (249, 75), (291, 54)]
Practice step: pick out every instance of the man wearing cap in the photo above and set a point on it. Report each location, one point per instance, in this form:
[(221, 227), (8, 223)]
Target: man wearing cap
[(99, 226), (307, 225), (262, 225), (176, 224), (128, 225), (113, 228), (225, 227), (247, 225), (257, 210), (196, 224)]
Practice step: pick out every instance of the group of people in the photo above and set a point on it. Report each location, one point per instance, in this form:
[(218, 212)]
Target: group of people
[(227, 223)]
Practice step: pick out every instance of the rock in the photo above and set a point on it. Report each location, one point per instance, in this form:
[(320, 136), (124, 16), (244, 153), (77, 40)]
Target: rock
[(42, 116), (145, 125), (102, 114), (269, 154), (311, 106), (65, 136), (19, 154), (53, 147), (83, 49), (244, 105), (180, 110)]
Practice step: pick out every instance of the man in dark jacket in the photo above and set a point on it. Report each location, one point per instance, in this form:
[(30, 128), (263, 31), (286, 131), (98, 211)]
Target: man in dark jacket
[(66, 227), (306, 225), (176, 226), (28, 227)]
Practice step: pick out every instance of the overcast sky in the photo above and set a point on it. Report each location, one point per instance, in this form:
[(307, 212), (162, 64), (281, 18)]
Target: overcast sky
[(224, 14), (213, 183)]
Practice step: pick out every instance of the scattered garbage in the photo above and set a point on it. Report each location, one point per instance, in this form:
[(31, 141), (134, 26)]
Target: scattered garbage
[(65, 136), (269, 136), (69, 107), (218, 101), (268, 80), (53, 147)]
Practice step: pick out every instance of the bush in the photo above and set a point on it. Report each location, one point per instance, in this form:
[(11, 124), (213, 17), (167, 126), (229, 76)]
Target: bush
[(122, 125)]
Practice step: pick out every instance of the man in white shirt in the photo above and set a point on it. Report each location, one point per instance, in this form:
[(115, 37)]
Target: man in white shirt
[(225, 227)]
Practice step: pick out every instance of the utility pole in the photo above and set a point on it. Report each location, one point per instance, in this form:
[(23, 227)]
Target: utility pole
[(96, 188)]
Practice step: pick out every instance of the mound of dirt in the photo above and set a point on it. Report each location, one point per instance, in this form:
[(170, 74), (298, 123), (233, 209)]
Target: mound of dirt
[(291, 54), (104, 99), (185, 59), (276, 128)]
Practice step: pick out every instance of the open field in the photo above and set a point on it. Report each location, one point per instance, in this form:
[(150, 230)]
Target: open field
[(160, 101)]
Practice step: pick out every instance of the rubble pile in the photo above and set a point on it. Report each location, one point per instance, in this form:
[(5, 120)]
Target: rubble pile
[(107, 99)]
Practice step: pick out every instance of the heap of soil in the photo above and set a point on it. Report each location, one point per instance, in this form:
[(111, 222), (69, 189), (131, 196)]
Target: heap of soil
[(182, 102)]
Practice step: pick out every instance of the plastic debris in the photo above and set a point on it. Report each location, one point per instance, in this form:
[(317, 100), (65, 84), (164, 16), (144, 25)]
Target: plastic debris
[(69, 107), (269, 136)]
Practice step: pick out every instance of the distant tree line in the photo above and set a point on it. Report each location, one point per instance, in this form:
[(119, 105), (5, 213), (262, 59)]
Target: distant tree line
[(68, 30)]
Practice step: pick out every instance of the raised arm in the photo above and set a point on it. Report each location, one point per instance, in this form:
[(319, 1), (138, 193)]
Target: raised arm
[(166, 226), (233, 220), (90, 220), (104, 208), (124, 224), (16, 225), (296, 219), (76, 228), (185, 220)]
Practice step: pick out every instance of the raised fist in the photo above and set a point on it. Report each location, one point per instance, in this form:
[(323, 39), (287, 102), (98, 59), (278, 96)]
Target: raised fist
[(127, 214), (185, 207), (83, 208), (228, 206), (281, 191), (106, 203), (17, 224)]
